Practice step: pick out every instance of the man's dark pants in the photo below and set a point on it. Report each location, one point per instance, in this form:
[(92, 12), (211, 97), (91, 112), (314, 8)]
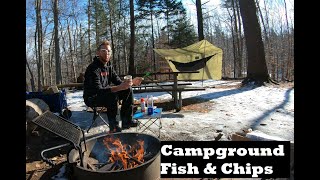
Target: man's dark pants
[(109, 100)]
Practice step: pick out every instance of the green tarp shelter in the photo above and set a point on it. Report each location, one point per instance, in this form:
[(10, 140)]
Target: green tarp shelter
[(201, 56)]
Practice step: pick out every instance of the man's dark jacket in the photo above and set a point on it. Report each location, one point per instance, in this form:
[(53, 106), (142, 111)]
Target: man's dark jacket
[(98, 78)]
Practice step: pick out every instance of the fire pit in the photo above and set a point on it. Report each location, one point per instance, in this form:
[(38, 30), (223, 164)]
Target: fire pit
[(117, 156)]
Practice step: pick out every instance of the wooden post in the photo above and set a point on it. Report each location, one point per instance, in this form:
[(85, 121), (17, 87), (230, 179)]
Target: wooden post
[(180, 102), (174, 92)]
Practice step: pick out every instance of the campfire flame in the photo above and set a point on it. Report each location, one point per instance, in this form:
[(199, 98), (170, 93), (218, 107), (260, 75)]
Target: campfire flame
[(124, 155)]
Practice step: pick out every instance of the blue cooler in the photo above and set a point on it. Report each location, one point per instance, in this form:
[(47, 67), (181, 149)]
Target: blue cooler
[(57, 102)]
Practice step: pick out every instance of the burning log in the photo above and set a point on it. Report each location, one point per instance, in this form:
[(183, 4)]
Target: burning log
[(147, 156), (135, 159)]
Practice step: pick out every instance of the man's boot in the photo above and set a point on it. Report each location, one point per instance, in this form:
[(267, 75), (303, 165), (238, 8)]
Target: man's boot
[(127, 121), (114, 125)]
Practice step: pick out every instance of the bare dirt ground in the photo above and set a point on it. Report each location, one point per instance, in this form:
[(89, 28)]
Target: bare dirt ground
[(37, 169)]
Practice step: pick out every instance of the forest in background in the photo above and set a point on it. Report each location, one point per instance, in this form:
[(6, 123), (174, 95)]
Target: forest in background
[(62, 35)]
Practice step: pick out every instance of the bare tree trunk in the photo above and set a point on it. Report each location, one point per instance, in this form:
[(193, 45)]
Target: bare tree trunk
[(290, 52), (119, 38), (269, 60), (234, 47), (111, 33), (51, 66), (124, 45), (50, 57), (81, 51), (89, 22), (257, 68), (33, 88), (36, 52), (39, 44), (200, 20), (56, 43), (167, 19), (96, 24), (281, 56), (75, 49), (153, 45), (132, 39), (238, 33), (65, 55), (236, 42), (73, 69)]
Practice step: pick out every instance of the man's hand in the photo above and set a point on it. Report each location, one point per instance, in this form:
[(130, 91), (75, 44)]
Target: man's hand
[(137, 81), (126, 84)]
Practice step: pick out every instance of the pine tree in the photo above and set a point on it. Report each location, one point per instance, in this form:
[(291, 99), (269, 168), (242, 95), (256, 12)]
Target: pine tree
[(183, 33)]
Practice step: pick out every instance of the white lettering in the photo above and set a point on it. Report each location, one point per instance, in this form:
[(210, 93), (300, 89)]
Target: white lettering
[(238, 169), (207, 152), (210, 169), (178, 152), (164, 152), (268, 170), (164, 168), (241, 151), (256, 170), (221, 153), (224, 168), (265, 152), (193, 152), (189, 169), (231, 151), (278, 151)]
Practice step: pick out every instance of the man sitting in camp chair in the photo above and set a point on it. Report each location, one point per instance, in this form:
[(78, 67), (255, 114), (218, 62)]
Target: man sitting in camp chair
[(104, 88)]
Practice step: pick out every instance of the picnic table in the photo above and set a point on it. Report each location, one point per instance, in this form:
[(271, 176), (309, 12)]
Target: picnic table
[(173, 89)]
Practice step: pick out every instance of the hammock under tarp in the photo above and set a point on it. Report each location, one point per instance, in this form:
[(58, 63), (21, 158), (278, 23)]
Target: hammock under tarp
[(191, 66), (201, 56)]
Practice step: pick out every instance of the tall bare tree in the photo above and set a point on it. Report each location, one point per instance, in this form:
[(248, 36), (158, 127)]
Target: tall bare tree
[(132, 39), (50, 57), (56, 42), (89, 32), (72, 55), (39, 36), (200, 20), (257, 71), (290, 49), (111, 15), (32, 77), (265, 25), (237, 26)]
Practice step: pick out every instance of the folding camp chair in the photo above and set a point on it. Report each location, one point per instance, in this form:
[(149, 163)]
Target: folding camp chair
[(97, 113)]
